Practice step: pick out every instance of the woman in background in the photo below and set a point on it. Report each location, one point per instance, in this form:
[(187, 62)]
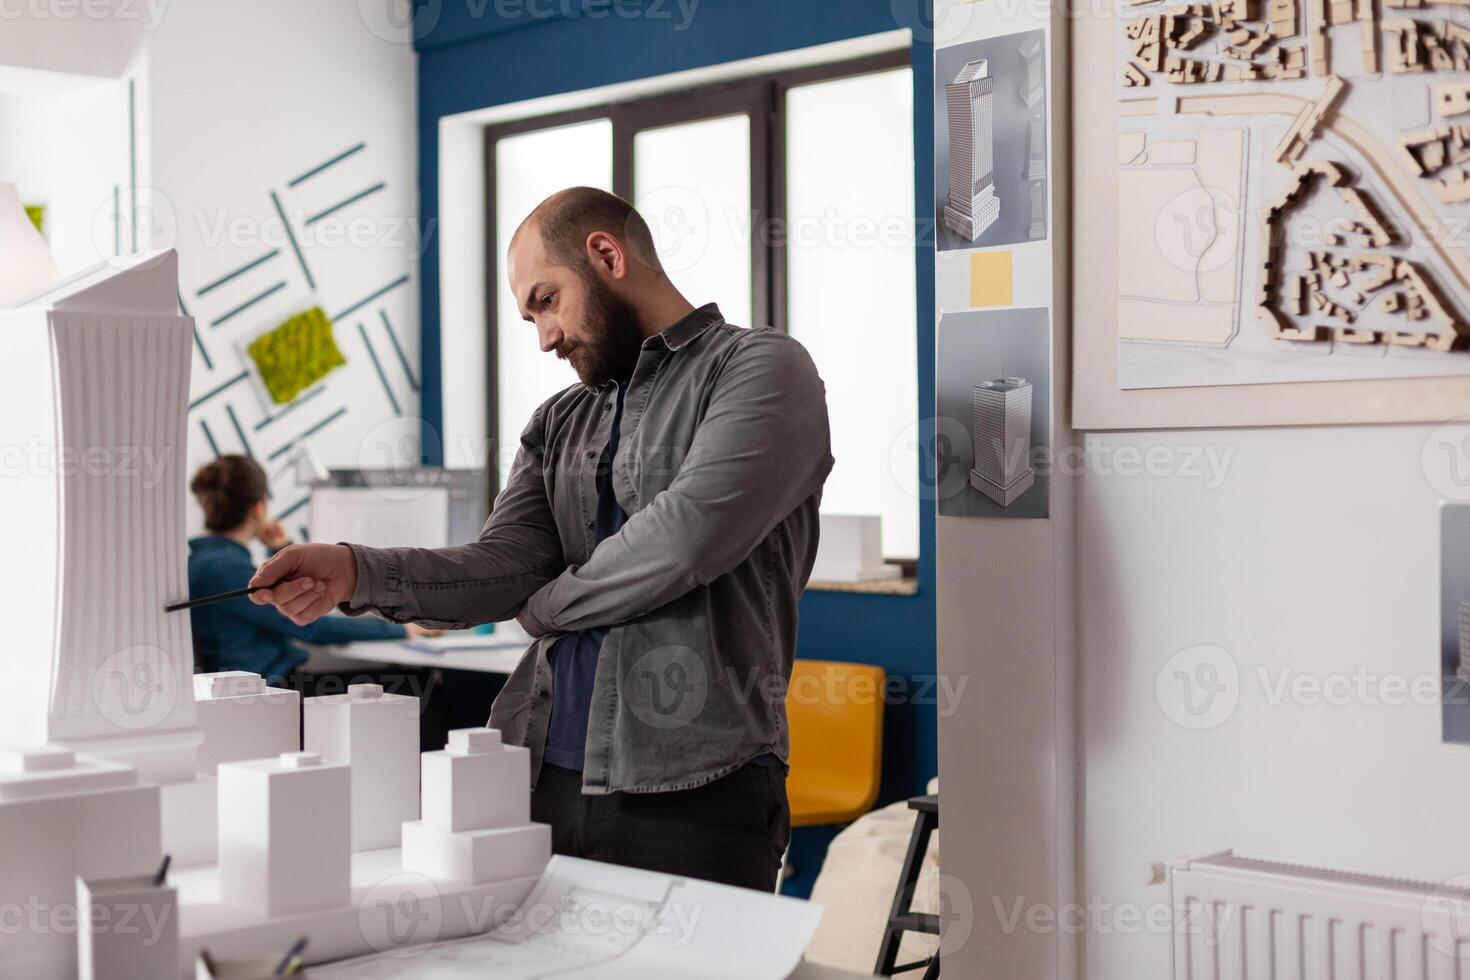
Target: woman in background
[(237, 634)]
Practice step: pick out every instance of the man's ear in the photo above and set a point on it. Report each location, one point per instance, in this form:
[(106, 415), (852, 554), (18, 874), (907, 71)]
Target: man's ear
[(606, 252)]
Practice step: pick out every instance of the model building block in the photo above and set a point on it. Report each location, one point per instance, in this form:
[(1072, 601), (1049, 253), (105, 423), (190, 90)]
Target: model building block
[(476, 783), (62, 816), (477, 808), (285, 834), (1452, 100), (378, 735), (244, 718), (127, 928), (477, 856)]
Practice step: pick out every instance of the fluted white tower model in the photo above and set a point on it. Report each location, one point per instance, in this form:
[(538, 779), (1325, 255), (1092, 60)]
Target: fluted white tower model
[(972, 206), (94, 393), (1001, 433)]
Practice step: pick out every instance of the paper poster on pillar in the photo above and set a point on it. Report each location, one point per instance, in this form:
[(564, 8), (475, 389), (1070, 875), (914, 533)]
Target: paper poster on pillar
[(993, 455), (990, 136), (1454, 620)]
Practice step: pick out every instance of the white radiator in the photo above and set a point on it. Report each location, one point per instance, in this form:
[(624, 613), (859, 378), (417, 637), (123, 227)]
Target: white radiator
[(1239, 918)]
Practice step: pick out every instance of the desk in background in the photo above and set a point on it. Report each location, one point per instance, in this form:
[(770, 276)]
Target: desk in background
[(499, 656)]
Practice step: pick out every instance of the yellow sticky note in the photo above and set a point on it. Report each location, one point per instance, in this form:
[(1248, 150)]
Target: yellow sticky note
[(990, 278)]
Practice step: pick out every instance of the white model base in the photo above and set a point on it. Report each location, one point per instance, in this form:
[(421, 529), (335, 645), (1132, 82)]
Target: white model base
[(190, 822), (1003, 495), (476, 856), (388, 909)]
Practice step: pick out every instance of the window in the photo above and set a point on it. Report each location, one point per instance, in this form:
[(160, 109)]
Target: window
[(789, 200)]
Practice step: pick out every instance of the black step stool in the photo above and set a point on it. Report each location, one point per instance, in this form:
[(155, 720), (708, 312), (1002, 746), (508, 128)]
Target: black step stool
[(901, 918)]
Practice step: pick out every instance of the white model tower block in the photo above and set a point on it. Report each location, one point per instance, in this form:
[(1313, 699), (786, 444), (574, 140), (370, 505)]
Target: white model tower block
[(95, 386), (126, 928), (285, 834), (477, 810), (972, 205), (244, 718), (1001, 432), (62, 816), (378, 735)]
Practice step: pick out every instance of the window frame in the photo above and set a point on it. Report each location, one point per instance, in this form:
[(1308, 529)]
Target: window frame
[(763, 98)]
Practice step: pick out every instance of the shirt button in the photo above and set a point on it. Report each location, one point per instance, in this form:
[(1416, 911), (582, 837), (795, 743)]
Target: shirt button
[(591, 454), (607, 406), (591, 525)]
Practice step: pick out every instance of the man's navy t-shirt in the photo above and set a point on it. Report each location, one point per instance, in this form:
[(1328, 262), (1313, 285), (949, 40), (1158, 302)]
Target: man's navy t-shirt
[(574, 657)]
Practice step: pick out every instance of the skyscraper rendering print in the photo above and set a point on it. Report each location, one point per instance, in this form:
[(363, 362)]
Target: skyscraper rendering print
[(1001, 433), (972, 206)]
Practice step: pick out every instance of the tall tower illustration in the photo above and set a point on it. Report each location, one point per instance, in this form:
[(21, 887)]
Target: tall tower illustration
[(972, 206), (1001, 433)]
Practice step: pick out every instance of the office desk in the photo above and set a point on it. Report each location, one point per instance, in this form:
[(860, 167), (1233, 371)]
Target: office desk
[(499, 656)]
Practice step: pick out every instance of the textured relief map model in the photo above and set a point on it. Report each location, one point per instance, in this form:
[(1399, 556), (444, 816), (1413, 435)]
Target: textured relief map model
[(1293, 191)]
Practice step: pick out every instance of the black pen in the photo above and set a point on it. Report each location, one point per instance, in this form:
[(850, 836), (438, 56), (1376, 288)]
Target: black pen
[(213, 598)]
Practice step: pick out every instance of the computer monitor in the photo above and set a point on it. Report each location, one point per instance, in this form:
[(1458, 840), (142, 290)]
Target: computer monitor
[(427, 508)]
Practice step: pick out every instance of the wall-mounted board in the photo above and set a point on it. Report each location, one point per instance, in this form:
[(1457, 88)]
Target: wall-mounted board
[(1265, 199)]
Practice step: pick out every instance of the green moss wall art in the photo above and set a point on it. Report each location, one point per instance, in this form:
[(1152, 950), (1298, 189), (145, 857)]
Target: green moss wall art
[(296, 354), (37, 214)]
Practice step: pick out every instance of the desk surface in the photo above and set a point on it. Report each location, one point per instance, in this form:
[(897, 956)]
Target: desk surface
[(499, 656)]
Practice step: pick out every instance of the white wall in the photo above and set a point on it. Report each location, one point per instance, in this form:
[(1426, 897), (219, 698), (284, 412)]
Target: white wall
[(229, 103), (1317, 554), (239, 100)]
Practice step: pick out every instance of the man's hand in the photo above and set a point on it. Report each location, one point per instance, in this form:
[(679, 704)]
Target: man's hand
[(306, 581), (414, 629)]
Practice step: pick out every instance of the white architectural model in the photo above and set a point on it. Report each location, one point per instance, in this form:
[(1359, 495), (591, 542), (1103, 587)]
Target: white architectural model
[(96, 385), (378, 735), (476, 824), (62, 816), (108, 759), (972, 206), (1001, 433), (284, 842), (244, 718), (112, 913)]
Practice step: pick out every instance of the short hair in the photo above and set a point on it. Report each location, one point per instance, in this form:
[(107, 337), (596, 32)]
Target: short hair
[(566, 218), (226, 489)]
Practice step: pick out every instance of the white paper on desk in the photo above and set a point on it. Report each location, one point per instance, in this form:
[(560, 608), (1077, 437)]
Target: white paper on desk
[(588, 919), (458, 640)]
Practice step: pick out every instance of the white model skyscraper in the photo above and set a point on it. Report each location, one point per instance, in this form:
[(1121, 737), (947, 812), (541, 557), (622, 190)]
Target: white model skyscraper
[(1001, 432), (972, 206)]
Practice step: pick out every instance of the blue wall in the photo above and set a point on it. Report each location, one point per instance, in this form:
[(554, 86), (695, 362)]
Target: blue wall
[(510, 53)]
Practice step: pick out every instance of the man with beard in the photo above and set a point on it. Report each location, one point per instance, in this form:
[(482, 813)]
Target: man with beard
[(654, 535)]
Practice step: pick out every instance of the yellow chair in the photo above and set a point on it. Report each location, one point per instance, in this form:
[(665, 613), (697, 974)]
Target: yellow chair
[(835, 714)]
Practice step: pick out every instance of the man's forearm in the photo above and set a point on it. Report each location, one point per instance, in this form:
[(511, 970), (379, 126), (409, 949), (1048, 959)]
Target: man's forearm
[(449, 588)]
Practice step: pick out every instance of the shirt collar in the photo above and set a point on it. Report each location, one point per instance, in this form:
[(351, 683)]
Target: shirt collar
[(690, 326)]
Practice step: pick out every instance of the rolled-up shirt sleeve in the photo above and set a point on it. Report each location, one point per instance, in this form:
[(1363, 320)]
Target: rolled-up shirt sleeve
[(762, 448), (485, 581)]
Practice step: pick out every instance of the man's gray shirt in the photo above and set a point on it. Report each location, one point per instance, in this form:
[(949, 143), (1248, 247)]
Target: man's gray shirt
[(723, 452)]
